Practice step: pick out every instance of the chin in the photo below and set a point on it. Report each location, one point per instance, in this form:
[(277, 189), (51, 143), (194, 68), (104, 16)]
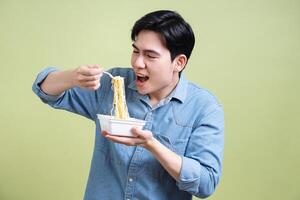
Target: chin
[(142, 91)]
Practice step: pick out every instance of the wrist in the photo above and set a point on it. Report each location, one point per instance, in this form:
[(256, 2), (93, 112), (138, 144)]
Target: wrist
[(73, 78), (151, 144)]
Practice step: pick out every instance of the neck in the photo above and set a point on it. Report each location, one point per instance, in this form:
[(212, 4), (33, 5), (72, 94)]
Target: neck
[(155, 98)]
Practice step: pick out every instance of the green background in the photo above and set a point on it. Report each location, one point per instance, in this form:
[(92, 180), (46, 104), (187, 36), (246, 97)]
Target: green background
[(247, 53)]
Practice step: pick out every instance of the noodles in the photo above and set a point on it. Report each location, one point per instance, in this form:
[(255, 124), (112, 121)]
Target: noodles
[(119, 103)]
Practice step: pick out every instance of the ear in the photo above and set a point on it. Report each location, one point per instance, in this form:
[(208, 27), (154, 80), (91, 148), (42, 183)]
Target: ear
[(180, 62)]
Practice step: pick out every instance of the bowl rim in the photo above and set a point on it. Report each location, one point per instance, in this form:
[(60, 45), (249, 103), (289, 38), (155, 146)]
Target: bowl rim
[(122, 121)]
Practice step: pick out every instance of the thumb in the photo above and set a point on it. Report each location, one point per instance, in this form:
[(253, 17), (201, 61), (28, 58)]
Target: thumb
[(136, 131), (96, 66), (95, 70)]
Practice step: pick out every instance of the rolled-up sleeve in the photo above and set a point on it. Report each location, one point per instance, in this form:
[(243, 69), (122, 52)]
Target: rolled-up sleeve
[(202, 163), (37, 83), (77, 100)]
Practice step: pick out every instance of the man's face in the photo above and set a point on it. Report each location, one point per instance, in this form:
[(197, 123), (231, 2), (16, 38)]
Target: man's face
[(151, 60)]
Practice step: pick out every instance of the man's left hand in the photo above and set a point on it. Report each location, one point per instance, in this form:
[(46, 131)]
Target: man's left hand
[(140, 138)]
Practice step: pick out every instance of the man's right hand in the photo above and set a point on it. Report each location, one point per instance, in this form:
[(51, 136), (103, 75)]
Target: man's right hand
[(88, 76)]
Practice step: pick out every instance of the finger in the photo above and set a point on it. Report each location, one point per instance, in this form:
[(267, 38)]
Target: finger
[(138, 132), (90, 83), (90, 70), (104, 133), (84, 78), (94, 66), (125, 140), (135, 132)]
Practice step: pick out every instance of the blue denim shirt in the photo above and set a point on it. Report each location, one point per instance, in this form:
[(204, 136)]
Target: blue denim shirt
[(190, 122)]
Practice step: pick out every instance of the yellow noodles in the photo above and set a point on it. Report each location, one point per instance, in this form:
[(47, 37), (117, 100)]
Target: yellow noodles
[(119, 98)]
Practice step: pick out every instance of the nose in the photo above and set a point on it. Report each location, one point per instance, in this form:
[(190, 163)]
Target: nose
[(137, 61)]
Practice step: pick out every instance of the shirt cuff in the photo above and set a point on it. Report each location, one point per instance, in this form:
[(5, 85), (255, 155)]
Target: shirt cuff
[(189, 178), (37, 83)]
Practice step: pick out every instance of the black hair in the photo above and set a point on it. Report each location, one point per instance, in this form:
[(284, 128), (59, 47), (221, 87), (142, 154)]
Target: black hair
[(177, 34)]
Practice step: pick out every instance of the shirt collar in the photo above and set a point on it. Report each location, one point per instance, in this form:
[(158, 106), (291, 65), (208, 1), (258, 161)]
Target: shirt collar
[(180, 90), (178, 93)]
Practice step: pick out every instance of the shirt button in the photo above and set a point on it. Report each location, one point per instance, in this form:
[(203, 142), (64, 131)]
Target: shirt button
[(130, 179), (127, 199)]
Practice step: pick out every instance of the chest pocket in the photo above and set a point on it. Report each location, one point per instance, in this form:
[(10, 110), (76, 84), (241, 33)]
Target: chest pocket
[(176, 145), (151, 165)]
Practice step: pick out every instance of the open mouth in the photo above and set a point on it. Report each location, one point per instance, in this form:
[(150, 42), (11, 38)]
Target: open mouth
[(142, 78)]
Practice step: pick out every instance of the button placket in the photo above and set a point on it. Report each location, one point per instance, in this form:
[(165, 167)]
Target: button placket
[(149, 119), (135, 161), (132, 171)]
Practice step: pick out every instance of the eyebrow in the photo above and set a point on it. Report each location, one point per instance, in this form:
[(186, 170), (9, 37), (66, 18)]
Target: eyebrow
[(146, 50)]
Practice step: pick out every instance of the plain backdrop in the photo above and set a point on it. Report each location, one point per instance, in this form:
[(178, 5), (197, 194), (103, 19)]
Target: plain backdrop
[(247, 53)]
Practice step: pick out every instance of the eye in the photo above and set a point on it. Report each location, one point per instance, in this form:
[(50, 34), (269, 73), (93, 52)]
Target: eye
[(149, 55), (135, 51)]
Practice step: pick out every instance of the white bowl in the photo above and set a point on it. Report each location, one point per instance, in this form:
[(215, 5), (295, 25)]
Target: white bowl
[(120, 127)]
